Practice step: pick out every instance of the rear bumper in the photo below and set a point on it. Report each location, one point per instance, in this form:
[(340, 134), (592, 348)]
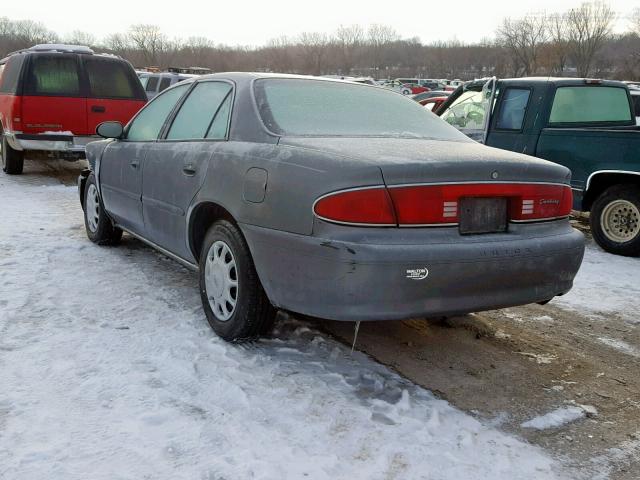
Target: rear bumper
[(50, 142), (344, 280)]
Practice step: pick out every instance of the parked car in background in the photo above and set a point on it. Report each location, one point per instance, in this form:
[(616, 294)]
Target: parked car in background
[(421, 97), (432, 84), (53, 96), (414, 84), (402, 88), (156, 82), (586, 125), (433, 103), (330, 199)]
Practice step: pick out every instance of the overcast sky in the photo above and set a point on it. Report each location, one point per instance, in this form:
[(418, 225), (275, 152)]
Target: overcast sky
[(250, 22)]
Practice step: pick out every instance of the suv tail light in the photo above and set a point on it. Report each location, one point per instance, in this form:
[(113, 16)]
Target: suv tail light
[(437, 205)]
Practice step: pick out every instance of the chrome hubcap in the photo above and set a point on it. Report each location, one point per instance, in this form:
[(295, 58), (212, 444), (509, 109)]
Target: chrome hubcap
[(221, 280), (92, 208), (620, 221)]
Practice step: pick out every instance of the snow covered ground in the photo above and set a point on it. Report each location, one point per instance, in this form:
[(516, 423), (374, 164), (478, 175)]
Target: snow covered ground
[(593, 290), (108, 370)]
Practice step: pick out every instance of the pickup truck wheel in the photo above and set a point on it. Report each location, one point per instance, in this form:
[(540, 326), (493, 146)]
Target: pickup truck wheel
[(615, 220), (233, 299), (97, 223), (12, 160)]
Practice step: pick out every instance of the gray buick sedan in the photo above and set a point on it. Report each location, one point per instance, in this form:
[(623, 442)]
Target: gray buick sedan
[(331, 199)]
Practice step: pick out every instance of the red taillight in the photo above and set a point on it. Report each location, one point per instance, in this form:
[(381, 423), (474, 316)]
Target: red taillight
[(366, 206), (416, 205)]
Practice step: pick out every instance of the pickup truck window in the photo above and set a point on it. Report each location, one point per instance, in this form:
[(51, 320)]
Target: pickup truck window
[(512, 109), (590, 104)]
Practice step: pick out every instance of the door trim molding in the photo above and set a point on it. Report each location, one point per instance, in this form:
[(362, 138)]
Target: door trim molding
[(173, 256)]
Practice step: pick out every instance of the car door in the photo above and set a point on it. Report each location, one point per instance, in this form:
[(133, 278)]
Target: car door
[(175, 167), (120, 175), (508, 126)]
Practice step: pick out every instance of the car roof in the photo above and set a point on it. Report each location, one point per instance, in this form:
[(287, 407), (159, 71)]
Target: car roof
[(59, 48)]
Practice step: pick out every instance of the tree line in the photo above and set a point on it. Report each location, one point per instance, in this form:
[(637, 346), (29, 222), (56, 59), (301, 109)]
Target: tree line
[(578, 42)]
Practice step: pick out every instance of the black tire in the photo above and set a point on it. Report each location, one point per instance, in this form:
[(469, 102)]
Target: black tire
[(253, 315), (12, 160), (611, 205), (100, 228)]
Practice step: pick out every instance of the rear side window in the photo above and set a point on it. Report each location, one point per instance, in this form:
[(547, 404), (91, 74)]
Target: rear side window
[(147, 125), (10, 74), (109, 78), (636, 104), (512, 109), (588, 104), (152, 84), (164, 83), (198, 111), (55, 75)]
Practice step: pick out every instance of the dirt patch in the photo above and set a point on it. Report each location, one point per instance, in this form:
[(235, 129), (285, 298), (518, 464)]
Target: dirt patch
[(510, 366)]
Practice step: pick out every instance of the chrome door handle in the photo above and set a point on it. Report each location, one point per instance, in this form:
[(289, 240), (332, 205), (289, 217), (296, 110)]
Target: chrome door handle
[(134, 164), (189, 170)]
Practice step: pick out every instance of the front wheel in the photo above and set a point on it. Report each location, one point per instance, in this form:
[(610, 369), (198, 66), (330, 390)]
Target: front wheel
[(615, 220), (97, 223), (233, 299), (12, 160)]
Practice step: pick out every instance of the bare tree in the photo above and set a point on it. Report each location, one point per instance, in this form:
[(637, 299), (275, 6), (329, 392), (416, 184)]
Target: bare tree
[(589, 27), (150, 40), (117, 42), (348, 41), (314, 49), (379, 38), (523, 38), (278, 55), (78, 37), (635, 21), (558, 42), (31, 32)]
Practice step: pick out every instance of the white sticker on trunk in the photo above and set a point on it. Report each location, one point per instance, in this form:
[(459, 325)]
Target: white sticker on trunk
[(417, 273)]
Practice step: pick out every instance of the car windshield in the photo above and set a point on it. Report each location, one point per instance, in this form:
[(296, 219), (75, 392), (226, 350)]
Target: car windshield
[(303, 107)]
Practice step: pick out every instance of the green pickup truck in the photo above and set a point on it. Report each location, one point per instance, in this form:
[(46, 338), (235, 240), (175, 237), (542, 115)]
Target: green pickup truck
[(586, 125)]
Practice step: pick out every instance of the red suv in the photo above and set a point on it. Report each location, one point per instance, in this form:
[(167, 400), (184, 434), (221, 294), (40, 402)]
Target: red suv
[(52, 97)]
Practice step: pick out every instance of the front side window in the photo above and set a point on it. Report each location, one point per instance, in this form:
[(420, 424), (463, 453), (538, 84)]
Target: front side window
[(198, 111), (53, 74), (110, 78), (164, 83), (148, 123), (513, 108), (590, 104), (325, 108), (152, 84), (467, 111)]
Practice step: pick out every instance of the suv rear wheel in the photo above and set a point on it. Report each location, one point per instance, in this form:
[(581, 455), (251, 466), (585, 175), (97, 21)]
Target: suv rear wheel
[(615, 220), (12, 160), (233, 299)]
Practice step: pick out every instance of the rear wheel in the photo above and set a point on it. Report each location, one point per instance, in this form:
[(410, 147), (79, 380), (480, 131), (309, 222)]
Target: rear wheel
[(233, 299), (12, 160), (97, 223), (615, 220)]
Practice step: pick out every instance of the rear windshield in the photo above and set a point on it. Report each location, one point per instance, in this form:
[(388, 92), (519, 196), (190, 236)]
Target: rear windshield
[(590, 104), (53, 74), (302, 107), (110, 78)]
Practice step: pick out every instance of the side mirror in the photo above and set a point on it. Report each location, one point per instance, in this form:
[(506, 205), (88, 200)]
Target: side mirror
[(110, 130)]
